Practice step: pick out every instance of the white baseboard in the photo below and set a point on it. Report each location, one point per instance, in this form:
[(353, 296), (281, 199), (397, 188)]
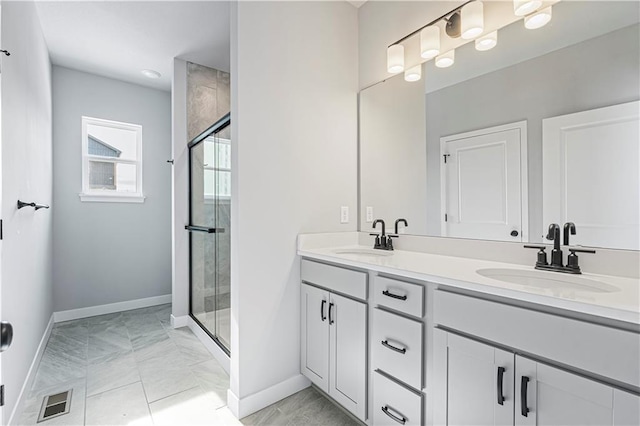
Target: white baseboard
[(211, 346), (31, 374), (259, 400), (110, 308), (177, 322)]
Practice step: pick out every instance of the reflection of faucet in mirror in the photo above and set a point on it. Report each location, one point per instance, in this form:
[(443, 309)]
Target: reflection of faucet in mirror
[(568, 227), (398, 221)]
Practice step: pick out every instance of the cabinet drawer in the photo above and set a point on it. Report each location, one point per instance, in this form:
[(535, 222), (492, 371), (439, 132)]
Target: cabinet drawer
[(393, 403), (340, 280), (399, 295), (397, 347)]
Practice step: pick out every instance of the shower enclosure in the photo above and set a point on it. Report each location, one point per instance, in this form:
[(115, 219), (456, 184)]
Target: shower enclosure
[(209, 231)]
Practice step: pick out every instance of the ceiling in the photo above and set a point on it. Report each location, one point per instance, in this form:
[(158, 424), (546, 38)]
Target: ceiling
[(118, 39)]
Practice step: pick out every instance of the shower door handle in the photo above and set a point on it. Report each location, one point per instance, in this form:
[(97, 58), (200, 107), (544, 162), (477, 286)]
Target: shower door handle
[(192, 228)]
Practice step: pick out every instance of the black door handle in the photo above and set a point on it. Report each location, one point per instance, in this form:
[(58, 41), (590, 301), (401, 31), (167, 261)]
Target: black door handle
[(322, 305), (500, 380), (6, 335), (394, 296), (514, 233), (331, 321), (400, 420), (524, 384), (193, 228), (386, 344)]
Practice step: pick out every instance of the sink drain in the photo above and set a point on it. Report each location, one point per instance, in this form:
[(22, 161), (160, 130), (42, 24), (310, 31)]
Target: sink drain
[(55, 405)]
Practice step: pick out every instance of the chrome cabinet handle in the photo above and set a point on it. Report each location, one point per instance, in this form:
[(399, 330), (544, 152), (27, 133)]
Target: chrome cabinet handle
[(402, 420), (386, 344), (394, 296)]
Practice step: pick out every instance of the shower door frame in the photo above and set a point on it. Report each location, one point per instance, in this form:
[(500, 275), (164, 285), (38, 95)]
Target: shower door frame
[(222, 123)]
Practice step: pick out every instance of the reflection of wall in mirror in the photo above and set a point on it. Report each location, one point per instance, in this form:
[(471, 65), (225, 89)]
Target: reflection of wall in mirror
[(392, 154), (572, 79)]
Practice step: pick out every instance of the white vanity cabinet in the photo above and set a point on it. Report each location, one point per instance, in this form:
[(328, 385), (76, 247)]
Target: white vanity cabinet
[(334, 333), (479, 383)]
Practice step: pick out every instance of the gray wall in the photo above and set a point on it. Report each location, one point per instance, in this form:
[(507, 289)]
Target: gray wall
[(109, 252), (26, 297), (596, 73)]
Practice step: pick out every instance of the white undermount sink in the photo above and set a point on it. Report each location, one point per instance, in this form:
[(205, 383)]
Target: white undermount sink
[(544, 279), (361, 251)]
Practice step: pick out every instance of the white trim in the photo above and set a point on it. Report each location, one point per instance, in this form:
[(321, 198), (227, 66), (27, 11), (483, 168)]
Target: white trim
[(115, 198), (31, 374), (110, 308), (178, 322), (242, 407), (521, 126), (208, 343)]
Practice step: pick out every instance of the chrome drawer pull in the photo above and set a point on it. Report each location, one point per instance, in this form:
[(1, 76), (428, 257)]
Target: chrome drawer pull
[(400, 420), (393, 348), (394, 296)]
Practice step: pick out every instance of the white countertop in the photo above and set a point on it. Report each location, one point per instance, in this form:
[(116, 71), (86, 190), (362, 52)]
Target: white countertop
[(622, 305)]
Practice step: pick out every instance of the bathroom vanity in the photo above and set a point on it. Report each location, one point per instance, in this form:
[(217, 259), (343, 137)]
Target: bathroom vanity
[(415, 338)]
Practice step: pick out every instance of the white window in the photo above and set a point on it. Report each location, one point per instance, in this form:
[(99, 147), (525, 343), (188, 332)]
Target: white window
[(111, 161)]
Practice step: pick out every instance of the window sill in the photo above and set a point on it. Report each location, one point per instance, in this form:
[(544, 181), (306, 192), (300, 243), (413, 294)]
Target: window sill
[(119, 198)]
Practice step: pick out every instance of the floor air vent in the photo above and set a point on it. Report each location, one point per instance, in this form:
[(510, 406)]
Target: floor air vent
[(55, 405)]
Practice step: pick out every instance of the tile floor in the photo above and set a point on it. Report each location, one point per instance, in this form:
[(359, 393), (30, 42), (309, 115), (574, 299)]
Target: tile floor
[(132, 368)]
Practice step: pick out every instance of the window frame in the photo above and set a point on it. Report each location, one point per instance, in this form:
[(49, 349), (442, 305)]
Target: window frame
[(101, 195)]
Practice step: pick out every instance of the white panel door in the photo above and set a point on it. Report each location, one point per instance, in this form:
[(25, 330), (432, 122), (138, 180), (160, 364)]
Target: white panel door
[(484, 185), (479, 383), (314, 304), (552, 397), (591, 175), (348, 353)]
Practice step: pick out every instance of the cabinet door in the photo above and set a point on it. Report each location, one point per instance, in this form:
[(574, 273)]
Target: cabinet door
[(479, 383), (549, 396), (348, 353), (314, 306)]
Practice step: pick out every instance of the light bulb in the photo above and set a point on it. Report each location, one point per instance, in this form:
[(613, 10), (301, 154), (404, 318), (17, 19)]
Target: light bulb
[(525, 7), (487, 42), (446, 59), (413, 73), (538, 19), (430, 42), (395, 58), (472, 20)]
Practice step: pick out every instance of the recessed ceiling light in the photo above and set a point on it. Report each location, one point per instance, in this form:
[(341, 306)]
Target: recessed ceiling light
[(150, 73)]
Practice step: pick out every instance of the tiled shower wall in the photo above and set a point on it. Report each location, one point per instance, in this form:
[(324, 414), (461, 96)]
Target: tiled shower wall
[(208, 97)]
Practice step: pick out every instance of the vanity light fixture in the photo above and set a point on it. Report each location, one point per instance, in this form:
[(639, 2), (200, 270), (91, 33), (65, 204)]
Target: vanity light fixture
[(487, 42), (472, 17), (430, 42), (538, 19), (525, 7), (413, 73), (395, 58), (446, 59)]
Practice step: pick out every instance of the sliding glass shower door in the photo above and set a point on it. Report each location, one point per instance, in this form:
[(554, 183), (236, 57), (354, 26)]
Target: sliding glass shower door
[(210, 233)]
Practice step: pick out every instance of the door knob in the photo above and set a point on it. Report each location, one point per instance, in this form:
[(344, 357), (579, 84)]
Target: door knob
[(6, 335), (514, 233)]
